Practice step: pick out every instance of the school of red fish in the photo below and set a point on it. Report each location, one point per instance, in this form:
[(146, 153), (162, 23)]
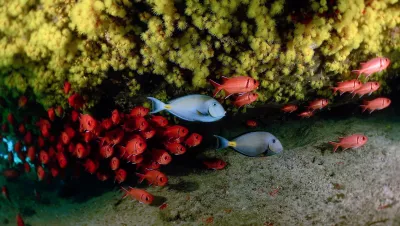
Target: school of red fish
[(244, 87), (108, 148)]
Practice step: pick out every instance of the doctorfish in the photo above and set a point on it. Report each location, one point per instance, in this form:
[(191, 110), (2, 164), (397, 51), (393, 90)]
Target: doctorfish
[(196, 107), (253, 144)]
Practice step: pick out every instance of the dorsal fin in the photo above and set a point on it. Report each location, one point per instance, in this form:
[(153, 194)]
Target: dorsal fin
[(224, 79)]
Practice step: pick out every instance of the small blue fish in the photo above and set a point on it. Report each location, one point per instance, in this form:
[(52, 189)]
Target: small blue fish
[(196, 107), (253, 144)]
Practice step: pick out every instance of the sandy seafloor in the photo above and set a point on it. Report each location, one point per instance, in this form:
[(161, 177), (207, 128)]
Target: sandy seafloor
[(317, 187)]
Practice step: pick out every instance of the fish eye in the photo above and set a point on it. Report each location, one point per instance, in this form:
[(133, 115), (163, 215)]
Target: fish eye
[(161, 179), (376, 83), (214, 104), (147, 198), (363, 138), (197, 137), (140, 144), (273, 141), (255, 81)]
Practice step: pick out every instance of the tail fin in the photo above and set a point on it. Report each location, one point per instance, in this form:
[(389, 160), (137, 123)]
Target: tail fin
[(335, 145), (141, 177), (221, 142), (217, 87), (156, 105)]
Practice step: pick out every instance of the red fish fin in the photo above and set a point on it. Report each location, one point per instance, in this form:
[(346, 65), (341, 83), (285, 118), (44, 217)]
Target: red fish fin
[(362, 64), (141, 177), (125, 192), (216, 86), (358, 72), (364, 107), (335, 145), (224, 79), (228, 94)]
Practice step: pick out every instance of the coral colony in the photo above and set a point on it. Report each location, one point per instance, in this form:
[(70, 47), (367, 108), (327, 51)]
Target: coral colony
[(60, 53)]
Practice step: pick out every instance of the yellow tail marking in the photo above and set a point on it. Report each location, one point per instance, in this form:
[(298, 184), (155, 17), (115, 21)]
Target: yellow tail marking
[(167, 106), (232, 143)]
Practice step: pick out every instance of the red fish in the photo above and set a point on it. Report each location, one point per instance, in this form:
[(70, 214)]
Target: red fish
[(102, 176), (27, 167), (193, 140), (40, 142), (44, 157), (81, 151), (136, 123), (239, 84), (67, 87), (175, 132), (87, 137), (139, 111), (106, 151), (376, 64), (148, 165), (368, 87), (215, 164), (11, 174), (51, 113), (107, 123), (62, 160), (136, 145), (65, 139), (40, 173), (59, 111), (376, 104), (54, 171), (114, 163), (347, 86), (352, 141), (76, 101), (31, 153), (138, 194), (11, 119), (175, 148), (20, 221), (159, 121), (306, 114), (148, 134), (74, 115), (21, 129), (4, 191), (153, 177), (22, 101), (91, 166), (289, 108), (115, 117), (120, 175), (245, 99), (113, 137), (28, 138), (251, 123), (135, 159), (317, 104), (88, 123), (161, 156)]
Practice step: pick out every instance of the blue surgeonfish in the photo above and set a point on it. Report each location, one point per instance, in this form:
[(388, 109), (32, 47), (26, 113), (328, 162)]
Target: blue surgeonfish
[(252, 144), (196, 107)]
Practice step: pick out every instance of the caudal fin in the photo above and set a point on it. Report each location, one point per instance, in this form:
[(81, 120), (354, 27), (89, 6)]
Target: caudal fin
[(335, 145), (156, 105), (221, 142), (217, 87)]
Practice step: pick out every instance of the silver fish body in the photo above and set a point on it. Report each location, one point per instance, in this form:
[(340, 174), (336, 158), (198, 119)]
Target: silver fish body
[(196, 107), (253, 144)]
